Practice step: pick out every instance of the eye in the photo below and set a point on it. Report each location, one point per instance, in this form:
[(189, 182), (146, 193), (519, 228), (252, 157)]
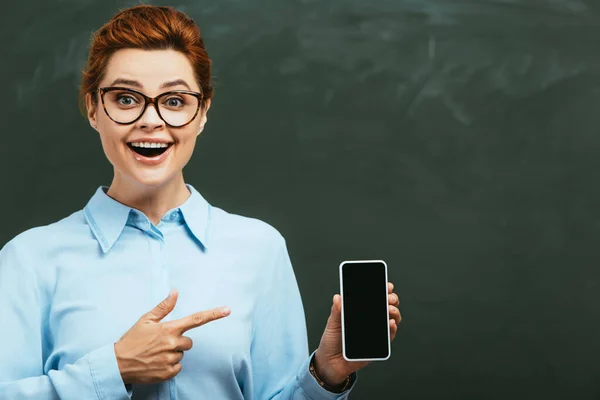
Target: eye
[(174, 102), (126, 100)]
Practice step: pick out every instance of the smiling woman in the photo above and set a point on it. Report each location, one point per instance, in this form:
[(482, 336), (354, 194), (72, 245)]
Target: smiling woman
[(148, 107), (105, 303)]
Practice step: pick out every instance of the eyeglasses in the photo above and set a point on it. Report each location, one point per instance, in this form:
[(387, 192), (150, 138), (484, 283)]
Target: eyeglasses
[(125, 106)]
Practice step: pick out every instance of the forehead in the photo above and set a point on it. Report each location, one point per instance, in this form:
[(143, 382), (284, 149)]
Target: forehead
[(150, 68)]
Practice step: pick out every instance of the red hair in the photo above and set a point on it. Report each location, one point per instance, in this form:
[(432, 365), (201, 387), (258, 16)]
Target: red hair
[(149, 28)]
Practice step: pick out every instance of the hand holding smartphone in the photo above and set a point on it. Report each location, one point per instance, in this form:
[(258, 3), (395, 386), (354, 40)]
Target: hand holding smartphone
[(365, 312)]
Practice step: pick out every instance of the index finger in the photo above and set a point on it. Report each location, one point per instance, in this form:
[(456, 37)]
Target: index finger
[(198, 319), (390, 287)]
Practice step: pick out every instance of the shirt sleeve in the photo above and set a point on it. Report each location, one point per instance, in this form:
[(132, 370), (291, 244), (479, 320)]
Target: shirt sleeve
[(279, 349), (25, 336)]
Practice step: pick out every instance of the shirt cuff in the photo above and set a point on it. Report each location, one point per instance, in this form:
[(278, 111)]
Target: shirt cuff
[(106, 375), (313, 390)]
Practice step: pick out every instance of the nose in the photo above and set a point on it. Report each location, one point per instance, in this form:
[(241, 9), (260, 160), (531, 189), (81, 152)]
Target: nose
[(150, 119)]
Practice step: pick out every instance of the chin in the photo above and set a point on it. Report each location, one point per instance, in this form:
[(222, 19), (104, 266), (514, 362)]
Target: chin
[(151, 179), (145, 174), (154, 182)]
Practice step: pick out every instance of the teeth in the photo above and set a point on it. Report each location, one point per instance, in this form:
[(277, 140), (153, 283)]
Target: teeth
[(149, 145)]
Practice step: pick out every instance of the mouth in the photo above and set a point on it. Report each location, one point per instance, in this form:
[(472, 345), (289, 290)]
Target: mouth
[(149, 150)]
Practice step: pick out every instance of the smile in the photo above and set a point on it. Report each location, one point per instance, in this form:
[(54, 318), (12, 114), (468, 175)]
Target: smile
[(147, 149), (150, 153)]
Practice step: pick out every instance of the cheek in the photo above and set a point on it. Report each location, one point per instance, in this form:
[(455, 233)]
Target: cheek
[(187, 140), (111, 144), (186, 146)]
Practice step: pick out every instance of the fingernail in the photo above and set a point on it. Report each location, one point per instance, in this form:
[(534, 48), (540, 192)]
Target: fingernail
[(225, 311)]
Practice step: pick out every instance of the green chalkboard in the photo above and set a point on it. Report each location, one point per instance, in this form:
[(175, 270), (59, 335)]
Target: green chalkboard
[(457, 140)]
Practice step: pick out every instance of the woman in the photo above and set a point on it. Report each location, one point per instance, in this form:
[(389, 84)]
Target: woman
[(88, 303)]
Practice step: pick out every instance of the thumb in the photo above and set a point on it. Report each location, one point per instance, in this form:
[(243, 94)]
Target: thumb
[(163, 308), (335, 318)]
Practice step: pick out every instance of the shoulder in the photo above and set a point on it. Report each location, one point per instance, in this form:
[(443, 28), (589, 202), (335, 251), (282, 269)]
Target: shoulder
[(39, 242), (229, 226), (260, 246), (235, 225)]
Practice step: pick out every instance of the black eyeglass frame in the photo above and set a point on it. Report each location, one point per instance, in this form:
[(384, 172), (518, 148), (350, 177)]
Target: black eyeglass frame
[(150, 100)]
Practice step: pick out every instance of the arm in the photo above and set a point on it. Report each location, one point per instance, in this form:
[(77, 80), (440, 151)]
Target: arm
[(279, 352), (24, 337)]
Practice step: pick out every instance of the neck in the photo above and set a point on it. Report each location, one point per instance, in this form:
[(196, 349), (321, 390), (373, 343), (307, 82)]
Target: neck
[(153, 201)]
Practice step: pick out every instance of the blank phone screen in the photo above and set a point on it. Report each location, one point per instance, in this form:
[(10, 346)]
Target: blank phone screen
[(364, 297)]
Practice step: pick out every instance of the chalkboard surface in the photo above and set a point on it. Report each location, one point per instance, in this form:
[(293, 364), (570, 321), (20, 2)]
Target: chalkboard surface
[(457, 140)]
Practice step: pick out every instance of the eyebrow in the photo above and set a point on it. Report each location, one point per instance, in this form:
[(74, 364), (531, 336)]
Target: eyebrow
[(136, 84)]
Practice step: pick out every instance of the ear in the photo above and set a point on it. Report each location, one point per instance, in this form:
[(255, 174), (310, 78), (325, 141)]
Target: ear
[(92, 110), (204, 116)]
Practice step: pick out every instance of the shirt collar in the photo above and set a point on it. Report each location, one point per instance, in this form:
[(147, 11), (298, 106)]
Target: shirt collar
[(196, 213), (107, 217)]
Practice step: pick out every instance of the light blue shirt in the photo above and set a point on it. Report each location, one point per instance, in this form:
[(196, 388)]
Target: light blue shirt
[(71, 289)]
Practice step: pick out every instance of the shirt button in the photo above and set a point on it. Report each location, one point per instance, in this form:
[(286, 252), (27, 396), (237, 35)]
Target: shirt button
[(173, 215)]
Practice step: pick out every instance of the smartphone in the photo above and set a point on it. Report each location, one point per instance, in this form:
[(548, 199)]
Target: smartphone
[(365, 312)]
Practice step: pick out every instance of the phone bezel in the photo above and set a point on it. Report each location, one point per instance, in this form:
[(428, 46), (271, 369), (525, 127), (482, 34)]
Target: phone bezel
[(387, 307)]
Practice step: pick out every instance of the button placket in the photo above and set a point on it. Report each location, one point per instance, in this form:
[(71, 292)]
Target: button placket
[(155, 268), (165, 279)]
